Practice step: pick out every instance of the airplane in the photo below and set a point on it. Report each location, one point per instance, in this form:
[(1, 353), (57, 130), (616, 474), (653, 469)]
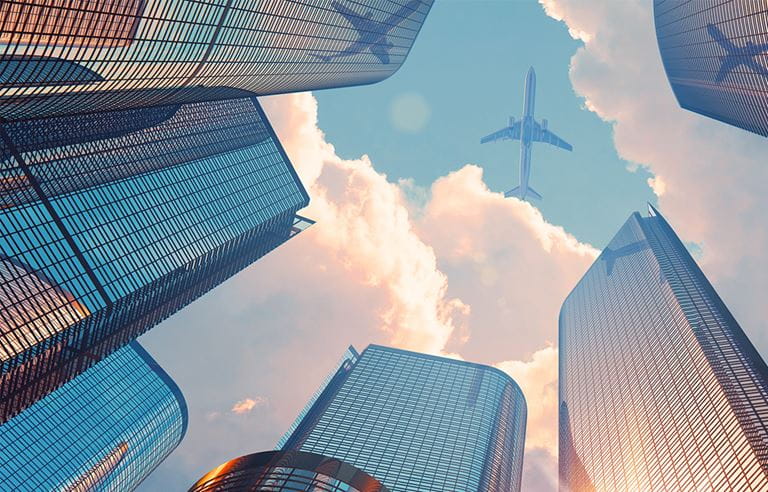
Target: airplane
[(737, 55), (371, 34), (610, 256), (527, 130)]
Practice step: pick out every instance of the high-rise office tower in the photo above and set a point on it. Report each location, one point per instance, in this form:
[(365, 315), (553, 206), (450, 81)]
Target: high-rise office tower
[(106, 430), (109, 55), (111, 223), (660, 389), (287, 471), (418, 422), (716, 57)]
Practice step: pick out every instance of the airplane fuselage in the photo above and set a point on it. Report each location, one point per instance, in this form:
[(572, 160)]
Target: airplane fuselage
[(526, 131)]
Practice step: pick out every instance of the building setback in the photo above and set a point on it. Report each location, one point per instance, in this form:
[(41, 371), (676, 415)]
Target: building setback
[(105, 234), (63, 58), (660, 389), (418, 422), (715, 54), (106, 430)]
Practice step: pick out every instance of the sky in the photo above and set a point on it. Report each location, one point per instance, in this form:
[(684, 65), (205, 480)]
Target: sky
[(415, 245)]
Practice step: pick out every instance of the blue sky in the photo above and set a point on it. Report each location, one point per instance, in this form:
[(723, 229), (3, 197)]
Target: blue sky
[(468, 67)]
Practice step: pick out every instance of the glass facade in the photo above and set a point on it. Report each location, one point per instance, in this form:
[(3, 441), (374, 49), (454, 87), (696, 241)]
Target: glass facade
[(715, 53), (109, 55), (109, 229), (284, 471), (106, 430), (419, 422), (660, 389)]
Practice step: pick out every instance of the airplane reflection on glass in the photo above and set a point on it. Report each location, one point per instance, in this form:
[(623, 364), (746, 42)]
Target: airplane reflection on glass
[(372, 34)]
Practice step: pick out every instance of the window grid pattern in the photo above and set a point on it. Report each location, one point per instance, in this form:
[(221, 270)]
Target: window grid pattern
[(334, 378), (284, 471), (645, 404), (106, 55), (132, 227), (419, 422), (106, 430), (715, 53)]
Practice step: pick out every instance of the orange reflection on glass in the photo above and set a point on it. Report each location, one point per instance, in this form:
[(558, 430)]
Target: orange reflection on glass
[(105, 23)]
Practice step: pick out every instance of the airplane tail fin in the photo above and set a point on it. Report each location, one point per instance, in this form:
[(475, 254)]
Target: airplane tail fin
[(515, 192)]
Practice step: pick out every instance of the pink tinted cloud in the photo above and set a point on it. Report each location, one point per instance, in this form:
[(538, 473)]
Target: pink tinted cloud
[(248, 404), (709, 176)]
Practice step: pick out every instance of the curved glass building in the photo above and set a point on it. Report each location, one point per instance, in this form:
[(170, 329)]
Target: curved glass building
[(118, 54), (418, 422), (660, 389), (715, 54), (279, 471), (106, 430)]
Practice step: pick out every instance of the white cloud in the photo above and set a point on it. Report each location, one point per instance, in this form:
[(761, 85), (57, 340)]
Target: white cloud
[(248, 404)]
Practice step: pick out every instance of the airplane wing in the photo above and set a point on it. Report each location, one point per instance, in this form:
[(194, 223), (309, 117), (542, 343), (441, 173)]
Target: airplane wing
[(357, 21), (402, 13), (508, 133), (381, 52), (544, 135)]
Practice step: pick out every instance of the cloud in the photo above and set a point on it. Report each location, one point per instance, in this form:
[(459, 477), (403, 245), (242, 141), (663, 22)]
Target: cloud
[(454, 269), (245, 406), (537, 378), (709, 176)]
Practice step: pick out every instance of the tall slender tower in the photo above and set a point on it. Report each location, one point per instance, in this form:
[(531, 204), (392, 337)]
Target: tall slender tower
[(715, 54), (106, 232), (660, 389), (106, 430), (418, 422)]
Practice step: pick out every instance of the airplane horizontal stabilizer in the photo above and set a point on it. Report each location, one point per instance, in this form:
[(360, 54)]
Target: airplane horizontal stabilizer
[(515, 193), (534, 194)]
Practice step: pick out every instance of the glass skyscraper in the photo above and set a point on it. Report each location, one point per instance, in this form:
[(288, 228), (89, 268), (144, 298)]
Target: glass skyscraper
[(715, 54), (106, 430), (118, 54), (660, 389), (110, 223), (287, 471), (418, 422)]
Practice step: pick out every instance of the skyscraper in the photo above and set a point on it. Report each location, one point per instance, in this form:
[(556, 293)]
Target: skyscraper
[(716, 57), (280, 471), (106, 430), (114, 55), (418, 422), (660, 389), (109, 231)]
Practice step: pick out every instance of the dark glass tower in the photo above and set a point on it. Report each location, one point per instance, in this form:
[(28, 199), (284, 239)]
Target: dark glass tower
[(715, 54), (110, 223), (118, 54), (660, 389), (287, 471), (106, 430), (418, 422)]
